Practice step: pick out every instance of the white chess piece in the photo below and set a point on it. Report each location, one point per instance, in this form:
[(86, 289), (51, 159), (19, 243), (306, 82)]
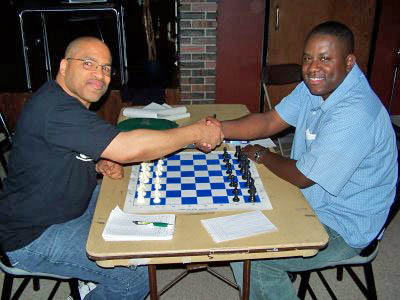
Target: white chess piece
[(140, 197), (157, 196)]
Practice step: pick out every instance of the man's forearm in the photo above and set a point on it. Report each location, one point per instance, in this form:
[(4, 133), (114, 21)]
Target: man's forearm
[(254, 126), (285, 168)]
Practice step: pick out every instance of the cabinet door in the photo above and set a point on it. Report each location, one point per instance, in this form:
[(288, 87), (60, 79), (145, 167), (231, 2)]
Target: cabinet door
[(239, 56), (291, 20)]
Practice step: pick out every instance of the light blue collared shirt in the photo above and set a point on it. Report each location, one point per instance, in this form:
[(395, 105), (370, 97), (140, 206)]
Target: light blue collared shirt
[(347, 146)]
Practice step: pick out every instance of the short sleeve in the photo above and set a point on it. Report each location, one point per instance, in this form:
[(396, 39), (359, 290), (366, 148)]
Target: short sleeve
[(288, 109), (71, 127)]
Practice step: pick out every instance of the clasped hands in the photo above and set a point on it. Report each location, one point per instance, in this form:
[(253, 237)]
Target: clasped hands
[(211, 134)]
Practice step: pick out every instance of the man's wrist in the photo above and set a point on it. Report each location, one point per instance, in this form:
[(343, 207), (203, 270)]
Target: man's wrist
[(259, 156)]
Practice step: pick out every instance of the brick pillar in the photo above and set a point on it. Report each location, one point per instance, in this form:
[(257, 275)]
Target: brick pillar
[(198, 28)]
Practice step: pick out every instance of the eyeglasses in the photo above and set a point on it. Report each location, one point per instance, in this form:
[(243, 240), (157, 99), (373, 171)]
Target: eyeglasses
[(91, 65)]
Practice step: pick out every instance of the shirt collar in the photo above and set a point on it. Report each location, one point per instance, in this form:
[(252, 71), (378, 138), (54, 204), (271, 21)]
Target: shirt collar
[(351, 78)]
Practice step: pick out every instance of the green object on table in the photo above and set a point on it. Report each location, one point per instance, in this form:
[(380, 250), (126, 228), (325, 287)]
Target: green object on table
[(146, 123)]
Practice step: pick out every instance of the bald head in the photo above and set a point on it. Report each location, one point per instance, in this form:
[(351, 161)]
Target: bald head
[(85, 70), (77, 44)]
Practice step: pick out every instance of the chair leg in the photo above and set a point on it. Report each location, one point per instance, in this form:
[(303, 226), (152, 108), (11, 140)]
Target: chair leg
[(339, 273), (73, 285), (305, 277), (7, 287), (36, 283), (54, 290), (370, 281), (21, 288)]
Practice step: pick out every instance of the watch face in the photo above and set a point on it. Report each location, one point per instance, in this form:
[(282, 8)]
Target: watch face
[(256, 156)]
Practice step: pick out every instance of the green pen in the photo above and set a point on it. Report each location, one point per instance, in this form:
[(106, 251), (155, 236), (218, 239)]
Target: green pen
[(157, 224)]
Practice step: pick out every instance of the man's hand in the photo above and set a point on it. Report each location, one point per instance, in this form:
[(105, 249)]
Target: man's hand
[(110, 169), (211, 135), (251, 150)]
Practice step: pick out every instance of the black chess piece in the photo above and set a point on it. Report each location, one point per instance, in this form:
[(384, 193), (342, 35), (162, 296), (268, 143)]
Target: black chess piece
[(238, 151), (235, 192), (226, 158), (247, 184), (252, 198)]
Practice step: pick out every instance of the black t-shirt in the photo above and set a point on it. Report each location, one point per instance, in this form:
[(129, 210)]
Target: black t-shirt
[(52, 165)]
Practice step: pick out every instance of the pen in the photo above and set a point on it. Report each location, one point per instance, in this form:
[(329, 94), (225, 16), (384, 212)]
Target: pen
[(157, 224)]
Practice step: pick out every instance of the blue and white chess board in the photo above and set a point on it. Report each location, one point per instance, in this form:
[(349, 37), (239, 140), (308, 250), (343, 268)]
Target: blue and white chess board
[(194, 181)]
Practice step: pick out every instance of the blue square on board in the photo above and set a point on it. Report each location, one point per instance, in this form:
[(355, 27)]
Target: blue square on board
[(220, 200), (187, 173), (189, 200), (215, 173), (202, 179), (174, 194), (173, 180), (218, 186), (188, 186), (203, 193), (200, 167)]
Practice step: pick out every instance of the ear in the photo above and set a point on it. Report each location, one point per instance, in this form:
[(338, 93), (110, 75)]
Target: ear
[(350, 62), (63, 66)]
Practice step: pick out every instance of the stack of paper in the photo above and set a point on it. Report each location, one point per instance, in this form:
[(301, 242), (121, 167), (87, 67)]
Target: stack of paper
[(238, 226), (157, 111), (121, 226)]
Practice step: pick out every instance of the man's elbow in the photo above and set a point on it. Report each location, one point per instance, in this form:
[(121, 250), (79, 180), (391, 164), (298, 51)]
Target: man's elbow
[(305, 183)]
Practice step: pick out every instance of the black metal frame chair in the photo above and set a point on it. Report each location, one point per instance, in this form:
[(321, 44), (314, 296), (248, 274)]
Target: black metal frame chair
[(5, 144), (10, 273), (45, 8), (364, 260)]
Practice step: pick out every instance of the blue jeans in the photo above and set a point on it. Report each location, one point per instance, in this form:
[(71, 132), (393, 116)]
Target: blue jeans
[(269, 278), (61, 250)]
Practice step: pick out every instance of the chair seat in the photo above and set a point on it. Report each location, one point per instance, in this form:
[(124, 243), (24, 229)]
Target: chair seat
[(19, 272), (356, 260)]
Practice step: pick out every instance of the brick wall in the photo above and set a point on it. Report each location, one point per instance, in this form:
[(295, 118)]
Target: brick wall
[(197, 39)]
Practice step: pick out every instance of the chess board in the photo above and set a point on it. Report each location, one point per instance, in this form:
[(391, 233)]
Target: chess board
[(194, 181)]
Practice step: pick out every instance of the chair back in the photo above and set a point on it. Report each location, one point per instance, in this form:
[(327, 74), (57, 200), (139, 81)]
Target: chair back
[(281, 74)]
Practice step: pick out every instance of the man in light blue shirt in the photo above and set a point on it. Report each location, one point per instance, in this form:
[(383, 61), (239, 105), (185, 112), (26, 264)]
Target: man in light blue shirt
[(344, 155)]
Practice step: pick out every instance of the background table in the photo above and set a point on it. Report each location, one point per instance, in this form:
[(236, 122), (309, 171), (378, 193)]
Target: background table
[(299, 231)]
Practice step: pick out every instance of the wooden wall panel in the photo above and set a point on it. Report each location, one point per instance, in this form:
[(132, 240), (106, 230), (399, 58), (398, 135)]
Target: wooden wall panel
[(387, 55), (239, 55)]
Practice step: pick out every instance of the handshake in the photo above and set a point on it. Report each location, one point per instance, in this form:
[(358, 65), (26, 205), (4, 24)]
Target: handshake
[(210, 134)]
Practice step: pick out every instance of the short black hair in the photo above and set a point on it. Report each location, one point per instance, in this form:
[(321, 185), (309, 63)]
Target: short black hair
[(336, 29)]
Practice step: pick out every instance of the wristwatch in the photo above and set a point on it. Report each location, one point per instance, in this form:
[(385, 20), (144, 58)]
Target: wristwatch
[(257, 156)]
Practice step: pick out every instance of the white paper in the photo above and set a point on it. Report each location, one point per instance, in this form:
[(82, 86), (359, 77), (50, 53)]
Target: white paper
[(238, 226), (157, 111), (120, 227)]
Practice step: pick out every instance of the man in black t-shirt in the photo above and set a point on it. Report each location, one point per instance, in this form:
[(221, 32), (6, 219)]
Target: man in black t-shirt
[(49, 195)]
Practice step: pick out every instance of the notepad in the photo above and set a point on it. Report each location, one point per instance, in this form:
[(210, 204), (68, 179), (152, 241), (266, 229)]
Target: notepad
[(238, 226), (122, 226)]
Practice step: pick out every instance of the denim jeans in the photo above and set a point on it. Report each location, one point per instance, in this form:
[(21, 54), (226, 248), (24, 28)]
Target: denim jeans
[(269, 278), (61, 250)]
